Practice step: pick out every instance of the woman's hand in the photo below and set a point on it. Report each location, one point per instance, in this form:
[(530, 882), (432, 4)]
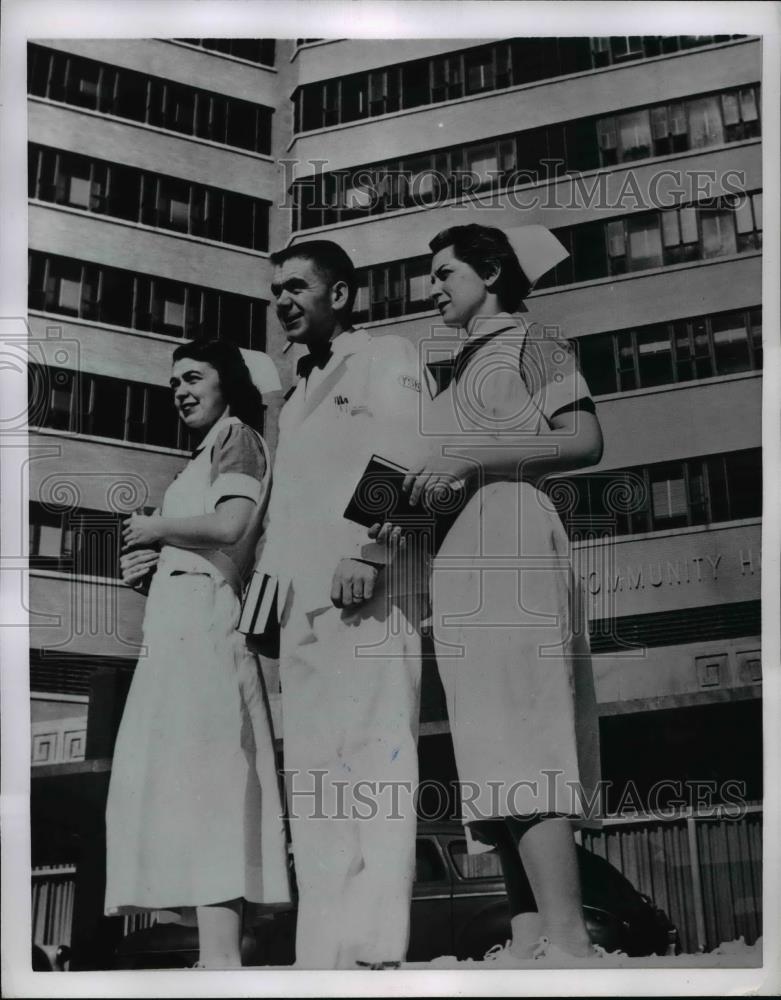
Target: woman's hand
[(134, 566), (437, 473), (388, 534), (141, 530)]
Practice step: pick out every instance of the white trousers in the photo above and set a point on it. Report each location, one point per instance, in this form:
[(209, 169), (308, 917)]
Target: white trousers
[(350, 703)]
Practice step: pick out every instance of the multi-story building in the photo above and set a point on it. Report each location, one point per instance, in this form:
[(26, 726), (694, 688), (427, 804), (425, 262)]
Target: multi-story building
[(160, 174)]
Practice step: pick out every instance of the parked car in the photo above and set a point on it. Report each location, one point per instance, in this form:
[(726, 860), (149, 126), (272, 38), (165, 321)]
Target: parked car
[(459, 907)]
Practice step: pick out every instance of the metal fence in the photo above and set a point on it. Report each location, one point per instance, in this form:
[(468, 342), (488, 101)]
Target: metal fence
[(704, 869), (52, 908)]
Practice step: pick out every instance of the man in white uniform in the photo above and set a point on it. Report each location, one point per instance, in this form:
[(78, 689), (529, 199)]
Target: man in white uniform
[(350, 641)]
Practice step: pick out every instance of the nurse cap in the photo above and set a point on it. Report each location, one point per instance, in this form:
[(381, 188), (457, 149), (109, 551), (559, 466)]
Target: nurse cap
[(262, 370), (537, 249)]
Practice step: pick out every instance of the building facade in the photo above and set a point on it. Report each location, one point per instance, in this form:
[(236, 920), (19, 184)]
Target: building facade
[(163, 171)]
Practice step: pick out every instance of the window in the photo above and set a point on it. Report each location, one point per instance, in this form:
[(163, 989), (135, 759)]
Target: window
[(704, 490), (654, 355), (744, 483), (418, 282), (615, 50), (634, 136), (47, 542), (705, 126), (718, 233), (755, 324), (139, 302), (730, 343), (596, 357), (672, 352), (105, 407), (644, 242), (475, 70), (257, 50), (695, 123), (74, 540), (428, 863), (392, 290), (484, 865), (668, 496), (447, 80), (147, 99), (526, 157), (480, 71)]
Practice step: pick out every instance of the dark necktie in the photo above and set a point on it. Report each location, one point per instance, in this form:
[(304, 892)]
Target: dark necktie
[(310, 361)]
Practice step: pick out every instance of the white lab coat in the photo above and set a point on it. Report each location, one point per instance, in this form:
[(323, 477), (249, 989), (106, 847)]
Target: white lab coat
[(350, 679)]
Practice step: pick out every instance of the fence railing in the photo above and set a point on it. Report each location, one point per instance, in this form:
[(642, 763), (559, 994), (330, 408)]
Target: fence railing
[(52, 904), (704, 869)]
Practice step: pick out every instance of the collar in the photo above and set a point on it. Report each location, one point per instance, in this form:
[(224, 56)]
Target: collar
[(211, 436), (444, 372), (348, 342)]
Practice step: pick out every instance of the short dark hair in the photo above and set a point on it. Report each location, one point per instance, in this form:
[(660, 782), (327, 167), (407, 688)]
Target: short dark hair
[(240, 392), (330, 260), (482, 247)]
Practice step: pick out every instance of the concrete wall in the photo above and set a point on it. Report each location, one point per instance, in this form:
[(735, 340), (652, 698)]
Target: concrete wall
[(114, 242)]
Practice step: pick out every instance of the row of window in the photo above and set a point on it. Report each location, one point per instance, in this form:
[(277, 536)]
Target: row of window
[(102, 406), (142, 196), (597, 249), (663, 353), (75, 540), (112, 295), (528, 156), (665, 495), (257, 50), (139, 97), (716, 228), (472, 71)]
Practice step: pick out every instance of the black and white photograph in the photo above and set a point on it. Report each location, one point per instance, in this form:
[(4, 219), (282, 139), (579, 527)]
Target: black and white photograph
[(390, 445)]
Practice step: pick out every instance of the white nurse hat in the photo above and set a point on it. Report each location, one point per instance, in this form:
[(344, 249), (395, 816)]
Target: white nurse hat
[(263, 371), (537, 249)]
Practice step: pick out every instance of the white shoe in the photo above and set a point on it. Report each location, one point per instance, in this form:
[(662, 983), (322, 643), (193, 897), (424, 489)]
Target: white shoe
[(552, 954), (501, 957)]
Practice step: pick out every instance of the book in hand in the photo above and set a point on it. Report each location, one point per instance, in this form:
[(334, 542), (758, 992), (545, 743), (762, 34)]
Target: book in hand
[(380, 497), (259, 609)]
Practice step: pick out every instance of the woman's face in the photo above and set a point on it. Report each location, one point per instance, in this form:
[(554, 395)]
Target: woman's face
[(457, 289), (197, 394)]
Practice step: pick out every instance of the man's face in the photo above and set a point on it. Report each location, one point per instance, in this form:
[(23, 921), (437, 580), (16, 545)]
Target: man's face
[(304, 301)]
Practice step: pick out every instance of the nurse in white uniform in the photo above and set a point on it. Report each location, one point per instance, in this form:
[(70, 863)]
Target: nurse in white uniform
[(350, 640), (511, 644), (194, 816)]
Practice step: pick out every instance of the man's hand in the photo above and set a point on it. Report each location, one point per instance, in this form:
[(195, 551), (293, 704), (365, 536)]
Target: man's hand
[(135, 565), (353, 583)]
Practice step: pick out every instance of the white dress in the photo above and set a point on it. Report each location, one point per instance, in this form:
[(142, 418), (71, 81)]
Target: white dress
[(194, 811), (510, 636)]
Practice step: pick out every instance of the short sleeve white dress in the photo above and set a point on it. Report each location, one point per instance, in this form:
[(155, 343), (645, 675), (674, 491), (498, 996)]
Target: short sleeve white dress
[(510, 634), (194, 812)]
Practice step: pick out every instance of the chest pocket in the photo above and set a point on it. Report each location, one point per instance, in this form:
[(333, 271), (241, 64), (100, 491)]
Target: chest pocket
[(352, 399)]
